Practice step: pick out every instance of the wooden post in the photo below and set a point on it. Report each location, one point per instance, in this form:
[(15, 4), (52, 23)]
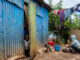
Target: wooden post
[(32, 26)]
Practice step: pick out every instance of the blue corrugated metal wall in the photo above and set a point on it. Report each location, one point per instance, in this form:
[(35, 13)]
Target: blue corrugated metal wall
[(45, 25), (1, 33), (39, 31), (41, 24), (11, 28)]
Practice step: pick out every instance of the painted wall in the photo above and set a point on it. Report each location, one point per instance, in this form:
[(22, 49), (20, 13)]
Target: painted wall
[(11, 28), (32, 29)]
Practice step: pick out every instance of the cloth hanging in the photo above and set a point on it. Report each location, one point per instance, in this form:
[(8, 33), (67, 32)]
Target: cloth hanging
[(61, 18), (58, 12), (78, 7), (55, 11), (67, 13)]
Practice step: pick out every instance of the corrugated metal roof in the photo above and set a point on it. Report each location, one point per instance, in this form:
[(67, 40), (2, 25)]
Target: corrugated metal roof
[(45, 5)]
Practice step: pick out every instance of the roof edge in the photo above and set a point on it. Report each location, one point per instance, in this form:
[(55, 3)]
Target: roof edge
[(45, 5)]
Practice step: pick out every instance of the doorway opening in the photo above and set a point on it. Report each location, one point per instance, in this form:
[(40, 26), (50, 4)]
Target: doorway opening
[(26, 32)]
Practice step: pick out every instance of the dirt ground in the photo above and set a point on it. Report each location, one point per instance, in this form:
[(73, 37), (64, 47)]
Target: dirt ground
[(58, 56)]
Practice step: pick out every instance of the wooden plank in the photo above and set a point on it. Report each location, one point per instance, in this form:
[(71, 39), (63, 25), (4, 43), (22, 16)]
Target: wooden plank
[(32, 26), (26, 13)]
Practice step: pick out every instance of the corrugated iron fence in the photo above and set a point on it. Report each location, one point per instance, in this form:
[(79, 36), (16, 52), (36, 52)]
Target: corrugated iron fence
[(11, 28)]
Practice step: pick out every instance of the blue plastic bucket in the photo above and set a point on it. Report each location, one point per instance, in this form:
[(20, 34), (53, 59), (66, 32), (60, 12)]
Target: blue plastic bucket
[(57, 47)]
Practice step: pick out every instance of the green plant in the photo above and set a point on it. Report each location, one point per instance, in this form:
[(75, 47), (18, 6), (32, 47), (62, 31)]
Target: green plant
[(75, 23), (54, 19), (54, 23), (67, 24)]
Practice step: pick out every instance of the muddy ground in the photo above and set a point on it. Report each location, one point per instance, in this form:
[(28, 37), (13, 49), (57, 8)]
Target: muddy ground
[(57, 56)]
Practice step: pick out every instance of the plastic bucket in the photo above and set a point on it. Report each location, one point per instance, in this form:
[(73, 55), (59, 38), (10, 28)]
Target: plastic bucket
[(57, 47)]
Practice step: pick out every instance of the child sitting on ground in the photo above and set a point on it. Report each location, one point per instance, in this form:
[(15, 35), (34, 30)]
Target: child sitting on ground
[(67, 48)]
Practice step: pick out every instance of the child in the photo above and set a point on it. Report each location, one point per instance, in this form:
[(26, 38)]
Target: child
[(27, 48), (67, 47), (26, 42), (51, 40)]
